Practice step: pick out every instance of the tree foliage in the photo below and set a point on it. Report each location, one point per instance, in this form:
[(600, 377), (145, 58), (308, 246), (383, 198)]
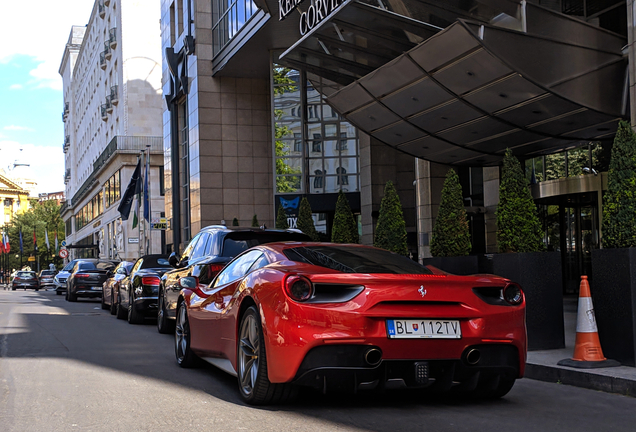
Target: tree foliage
[(518, 225), (281, 218), (235, 222), (619, 201), (305, 221), (42, 216), (255, 222), (345, 228), (390, 232), (451, 235)]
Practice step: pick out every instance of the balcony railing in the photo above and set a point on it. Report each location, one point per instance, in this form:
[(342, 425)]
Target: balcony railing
[(128, 144), (107, 52), (102, 9), (67, 143), (67, 175), (112, 33), (114, 95), (66, 111), (104, 111), (102, 60), (109, 105)]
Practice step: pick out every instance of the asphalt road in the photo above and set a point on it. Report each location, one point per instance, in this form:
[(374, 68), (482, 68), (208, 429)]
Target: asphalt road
[(74, 367)]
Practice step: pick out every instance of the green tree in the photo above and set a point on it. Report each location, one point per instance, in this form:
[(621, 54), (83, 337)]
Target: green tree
[(345, 228), (44, 217), (305, 221), (619, 201), (390, 232), (281, 218), (451, 236), (255, 222), (518, 225), (235, 222)]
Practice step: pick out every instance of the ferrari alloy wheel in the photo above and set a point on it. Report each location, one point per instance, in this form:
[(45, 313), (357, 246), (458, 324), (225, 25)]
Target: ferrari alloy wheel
[(185, 357), (164, 325), (254, 384), (113, 305), (134, 317)]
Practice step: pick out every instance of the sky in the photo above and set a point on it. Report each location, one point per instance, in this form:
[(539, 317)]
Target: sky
[(31, 103)]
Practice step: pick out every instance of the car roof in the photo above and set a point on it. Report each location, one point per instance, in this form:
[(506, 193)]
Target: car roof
[(243, 228)]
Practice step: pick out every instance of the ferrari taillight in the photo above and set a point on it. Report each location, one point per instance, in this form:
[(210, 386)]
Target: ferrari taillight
[(512, 294), (150, 280), (299, 288)]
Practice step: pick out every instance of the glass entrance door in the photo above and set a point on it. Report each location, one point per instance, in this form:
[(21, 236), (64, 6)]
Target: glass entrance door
[(579, 237)]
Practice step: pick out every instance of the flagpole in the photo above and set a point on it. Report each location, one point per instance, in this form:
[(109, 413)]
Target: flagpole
[(149, 199), (139, 244)]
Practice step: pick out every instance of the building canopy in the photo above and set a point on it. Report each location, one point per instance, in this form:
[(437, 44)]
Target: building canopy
[(460, 85)]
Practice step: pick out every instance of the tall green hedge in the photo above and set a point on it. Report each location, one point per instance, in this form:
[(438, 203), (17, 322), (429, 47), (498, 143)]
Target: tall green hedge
[(281, 218), (305, 221), (255, 222), (390, 232), (451, 235), (235, 222), (619, 201), (345, 228), (518, 225)]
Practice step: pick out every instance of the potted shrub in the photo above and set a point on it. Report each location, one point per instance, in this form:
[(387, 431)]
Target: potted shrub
[(390, 232), (345, 228), (450, 242), (281, 218), (305, 221), (523, 260), (613, 266)]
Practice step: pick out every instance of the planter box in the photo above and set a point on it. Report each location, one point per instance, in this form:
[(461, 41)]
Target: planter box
[(540, 277), (462, 265), (614, 299)]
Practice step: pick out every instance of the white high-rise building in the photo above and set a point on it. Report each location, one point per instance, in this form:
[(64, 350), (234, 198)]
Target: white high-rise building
[(111, 71)]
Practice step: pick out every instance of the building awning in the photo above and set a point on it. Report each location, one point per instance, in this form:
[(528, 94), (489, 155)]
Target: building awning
[(464, 94)]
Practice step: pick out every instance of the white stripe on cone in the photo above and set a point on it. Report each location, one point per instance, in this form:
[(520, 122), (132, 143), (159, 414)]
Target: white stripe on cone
[(585, 320)]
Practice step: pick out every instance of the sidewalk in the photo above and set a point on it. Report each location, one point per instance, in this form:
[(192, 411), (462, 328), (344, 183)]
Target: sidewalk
[(542, 365)]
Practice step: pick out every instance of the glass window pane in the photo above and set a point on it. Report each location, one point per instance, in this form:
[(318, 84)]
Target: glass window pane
[(331, 148), (330, 165), (350, 164), (331, 185), (329, 113), (331, 130), (287, 184)]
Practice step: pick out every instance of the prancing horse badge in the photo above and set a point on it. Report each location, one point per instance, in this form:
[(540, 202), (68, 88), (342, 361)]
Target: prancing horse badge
[(422, 290)]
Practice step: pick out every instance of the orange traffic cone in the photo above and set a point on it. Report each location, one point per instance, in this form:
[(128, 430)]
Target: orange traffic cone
[(587, 348)]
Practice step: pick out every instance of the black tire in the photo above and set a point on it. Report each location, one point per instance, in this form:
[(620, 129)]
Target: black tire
[(134, 317), (58, 292), (182, 349), (12, 288), (253, 382), (121, 312), (164, 324), (70, 296), (113, 306), (104, 305)]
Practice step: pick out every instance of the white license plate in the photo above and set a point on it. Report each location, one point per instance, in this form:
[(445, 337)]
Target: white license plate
[(423, 328), (96, 288)]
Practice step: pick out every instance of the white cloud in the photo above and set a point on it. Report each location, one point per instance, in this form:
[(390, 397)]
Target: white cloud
[(43, 36), (46, 163), (17, 128), (15, 87)]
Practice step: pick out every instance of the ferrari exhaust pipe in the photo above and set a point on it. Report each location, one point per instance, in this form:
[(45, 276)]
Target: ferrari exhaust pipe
[(373, 356), (473, 356)]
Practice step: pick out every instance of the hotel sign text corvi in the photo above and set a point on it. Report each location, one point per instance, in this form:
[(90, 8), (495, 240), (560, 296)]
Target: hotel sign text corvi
[(317, 12)]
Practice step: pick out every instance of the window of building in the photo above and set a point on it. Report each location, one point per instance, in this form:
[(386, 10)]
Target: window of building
[(112, 189), (184, 171), (228, 17)]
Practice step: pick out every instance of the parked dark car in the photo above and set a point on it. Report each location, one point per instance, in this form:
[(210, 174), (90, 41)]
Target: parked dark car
[(46, 278), (205, 256), (87, 278), (25, 279), (60, 278), (137, 293), (111, 286)]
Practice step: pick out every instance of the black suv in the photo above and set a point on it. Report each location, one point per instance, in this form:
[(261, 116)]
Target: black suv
[(206, 254)]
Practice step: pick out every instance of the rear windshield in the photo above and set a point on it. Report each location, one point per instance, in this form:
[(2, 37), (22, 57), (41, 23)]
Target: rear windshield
[(349, 259), (100, 265), (155, 261), (47, 272), (237, 242), (25, 274)]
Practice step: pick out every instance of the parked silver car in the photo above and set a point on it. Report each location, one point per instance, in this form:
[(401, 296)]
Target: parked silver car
[(60, 278)]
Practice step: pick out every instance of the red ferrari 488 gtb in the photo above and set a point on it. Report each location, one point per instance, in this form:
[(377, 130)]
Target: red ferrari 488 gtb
[(351, 317)]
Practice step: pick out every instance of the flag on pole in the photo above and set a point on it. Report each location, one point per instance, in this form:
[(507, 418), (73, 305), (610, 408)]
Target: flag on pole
[(146, 197), (56, 248), (135, 220), (46, 238), (21, 246), (2, 245), (134, 186), (7, 246), (35, 242)]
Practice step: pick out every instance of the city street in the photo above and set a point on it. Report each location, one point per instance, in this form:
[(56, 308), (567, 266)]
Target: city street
[(72, 366)]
